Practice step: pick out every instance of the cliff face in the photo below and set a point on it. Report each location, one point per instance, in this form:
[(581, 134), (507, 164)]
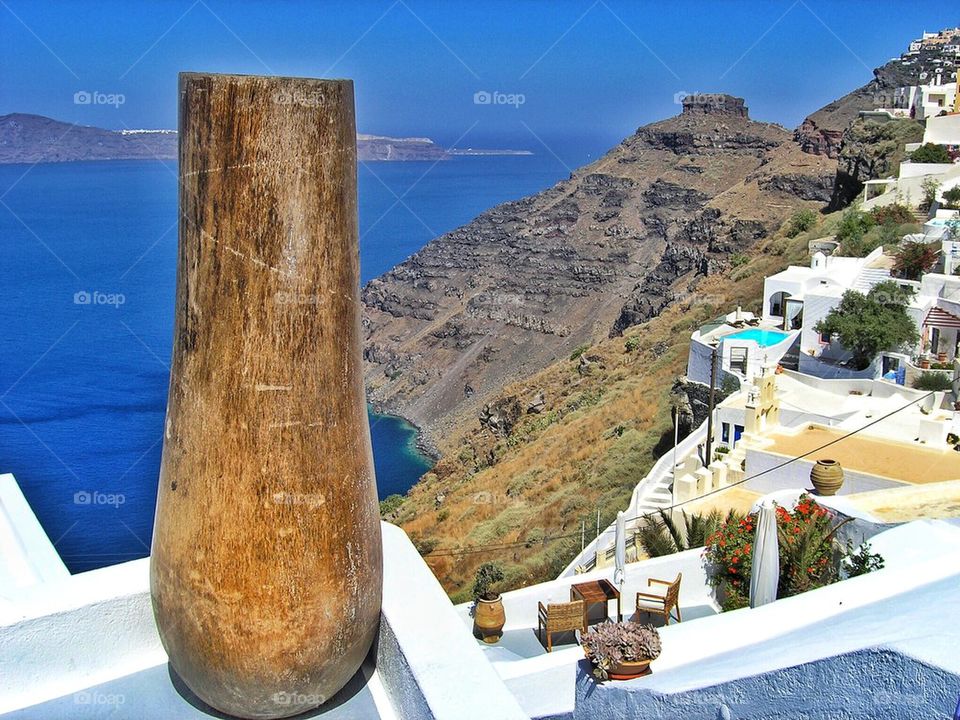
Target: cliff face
[(822, 132), (529, 281)]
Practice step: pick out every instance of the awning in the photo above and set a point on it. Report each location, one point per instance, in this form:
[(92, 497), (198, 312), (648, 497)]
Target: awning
[(940, 318)]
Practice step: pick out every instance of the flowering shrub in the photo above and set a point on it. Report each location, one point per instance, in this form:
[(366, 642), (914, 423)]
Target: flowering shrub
[(809, 556)]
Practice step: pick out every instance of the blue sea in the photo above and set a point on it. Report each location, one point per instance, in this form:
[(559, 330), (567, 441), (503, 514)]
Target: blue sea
[(88, 265)]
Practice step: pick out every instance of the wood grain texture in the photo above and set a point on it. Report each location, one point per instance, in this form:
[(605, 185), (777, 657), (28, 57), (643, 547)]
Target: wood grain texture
[(266, 565)]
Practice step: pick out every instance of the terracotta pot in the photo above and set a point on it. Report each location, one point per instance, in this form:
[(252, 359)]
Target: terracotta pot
[(265, 571), (627, 670), (941, 357), (488, 620), (827, 477), (924, 363)]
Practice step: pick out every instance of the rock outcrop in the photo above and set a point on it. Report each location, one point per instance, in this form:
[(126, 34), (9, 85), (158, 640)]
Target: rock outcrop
[(528, 281)]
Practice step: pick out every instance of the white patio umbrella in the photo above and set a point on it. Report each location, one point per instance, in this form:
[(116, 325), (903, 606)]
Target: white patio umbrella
[(765, 571), (620, 551)]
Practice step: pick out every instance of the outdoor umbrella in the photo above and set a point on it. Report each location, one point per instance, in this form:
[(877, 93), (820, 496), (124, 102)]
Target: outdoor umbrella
[(620, 551), (765, 572)]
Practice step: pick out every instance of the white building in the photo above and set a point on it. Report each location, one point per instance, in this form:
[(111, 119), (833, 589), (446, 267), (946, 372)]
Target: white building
[(799, 297), (740, 344)]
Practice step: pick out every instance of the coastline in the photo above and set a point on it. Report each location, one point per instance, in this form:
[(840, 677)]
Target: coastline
[(422, 444)]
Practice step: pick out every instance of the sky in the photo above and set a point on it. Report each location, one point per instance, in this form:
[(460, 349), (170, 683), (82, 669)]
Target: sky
[(511, 73)]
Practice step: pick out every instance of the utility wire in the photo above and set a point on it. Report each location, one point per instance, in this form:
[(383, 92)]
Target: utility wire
[(473, 549)]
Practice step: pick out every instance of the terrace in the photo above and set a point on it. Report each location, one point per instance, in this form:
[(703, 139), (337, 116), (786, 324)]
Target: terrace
[(87, 645), (748, 648)]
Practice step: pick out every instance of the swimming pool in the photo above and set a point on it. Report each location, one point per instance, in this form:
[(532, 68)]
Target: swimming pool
[(763, 338)]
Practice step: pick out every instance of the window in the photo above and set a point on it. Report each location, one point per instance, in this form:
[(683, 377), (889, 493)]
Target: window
[(738, 360), (737, 433), (725, 433), (825, 338)]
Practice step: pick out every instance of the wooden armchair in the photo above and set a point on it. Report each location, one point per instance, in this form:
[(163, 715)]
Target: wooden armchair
[(560, 617), (662, 605)]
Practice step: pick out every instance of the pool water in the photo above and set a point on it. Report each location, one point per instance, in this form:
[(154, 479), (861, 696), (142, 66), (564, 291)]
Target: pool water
[(763, 338)]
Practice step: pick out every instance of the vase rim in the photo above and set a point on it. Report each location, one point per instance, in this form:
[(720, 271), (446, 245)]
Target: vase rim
[(827, 462)]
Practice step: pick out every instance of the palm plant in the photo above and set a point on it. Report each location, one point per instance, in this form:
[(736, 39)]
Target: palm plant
[(663, 535)]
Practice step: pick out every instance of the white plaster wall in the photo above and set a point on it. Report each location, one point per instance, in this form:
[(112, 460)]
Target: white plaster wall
[(450, 672), (771, 286), (921, 170), (910, 608), (698, 362), (98, 626), (815, 308), (943, 130), (819, 369), (78, 632), (797, 474), (27, 556)]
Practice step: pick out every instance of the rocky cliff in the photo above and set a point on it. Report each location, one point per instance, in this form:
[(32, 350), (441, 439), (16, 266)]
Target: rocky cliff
[(34, 138), (529, 281)]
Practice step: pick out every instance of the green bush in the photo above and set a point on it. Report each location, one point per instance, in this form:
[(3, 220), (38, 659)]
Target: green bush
[(861, 561), (579, 350), (632, 343), (952, 198), (390, 504), (930, 153), (932, 381), (853, 226), (738, 259), (896, 214), (930, 186), (800, 221)]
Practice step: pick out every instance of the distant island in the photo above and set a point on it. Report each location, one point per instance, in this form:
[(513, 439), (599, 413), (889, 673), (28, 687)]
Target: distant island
[(26, 138)]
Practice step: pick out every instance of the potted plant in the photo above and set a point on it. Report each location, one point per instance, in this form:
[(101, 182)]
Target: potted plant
[(621, 651), (488, 615)]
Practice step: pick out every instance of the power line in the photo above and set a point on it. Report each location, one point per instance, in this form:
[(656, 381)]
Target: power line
[(494, 547)]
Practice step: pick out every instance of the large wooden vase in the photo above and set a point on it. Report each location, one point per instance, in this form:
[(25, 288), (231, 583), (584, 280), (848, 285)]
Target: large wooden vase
[(266, 566)]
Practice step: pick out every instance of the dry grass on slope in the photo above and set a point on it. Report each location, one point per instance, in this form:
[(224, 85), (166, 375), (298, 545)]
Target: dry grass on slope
[(594, 439)]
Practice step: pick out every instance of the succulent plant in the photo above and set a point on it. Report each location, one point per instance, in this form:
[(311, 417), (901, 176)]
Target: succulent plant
[(610, 644), (488, 575)]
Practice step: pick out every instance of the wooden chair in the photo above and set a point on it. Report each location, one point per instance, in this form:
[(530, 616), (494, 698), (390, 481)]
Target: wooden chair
[(662, 605), (560, 617)]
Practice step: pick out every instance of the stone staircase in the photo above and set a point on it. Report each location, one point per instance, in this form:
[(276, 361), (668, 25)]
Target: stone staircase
[(791, 358)]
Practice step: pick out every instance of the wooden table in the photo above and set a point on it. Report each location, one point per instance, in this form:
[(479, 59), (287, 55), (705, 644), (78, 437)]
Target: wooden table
[(596, 591)]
